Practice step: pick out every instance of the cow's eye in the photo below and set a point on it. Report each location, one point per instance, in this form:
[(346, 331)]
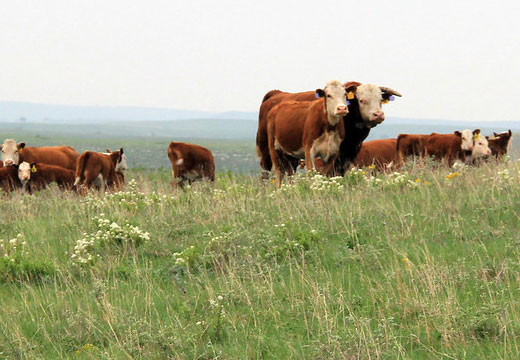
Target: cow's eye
[(328, 95)]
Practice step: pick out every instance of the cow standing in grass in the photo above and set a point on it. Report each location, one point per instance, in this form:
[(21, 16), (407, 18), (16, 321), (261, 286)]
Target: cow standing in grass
[(99, 169), (379, 153), (9, 178), (14, 154), (307, 129), (37, 176), (499, 143), (190, 162)]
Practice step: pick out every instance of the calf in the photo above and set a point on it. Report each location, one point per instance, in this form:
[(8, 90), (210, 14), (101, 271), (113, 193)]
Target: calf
[(99, 169), (307, 129), (190, 162), (499, 143), (14, 154), (380, 153), (34, 177)]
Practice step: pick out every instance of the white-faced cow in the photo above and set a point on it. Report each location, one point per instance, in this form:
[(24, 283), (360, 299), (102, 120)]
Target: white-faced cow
[(34, 177), (307, 129), (14, 154)]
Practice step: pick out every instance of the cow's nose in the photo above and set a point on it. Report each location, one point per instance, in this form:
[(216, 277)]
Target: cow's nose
[(8, 162), (341, 109)]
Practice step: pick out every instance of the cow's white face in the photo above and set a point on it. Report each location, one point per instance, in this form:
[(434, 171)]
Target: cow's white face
[(11, 152), (370, 101), (335, 99), (121, 164), (480, 147), (467, 140), (24, 172)]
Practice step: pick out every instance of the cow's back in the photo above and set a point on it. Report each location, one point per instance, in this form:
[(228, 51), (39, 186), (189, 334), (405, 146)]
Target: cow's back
[(64, 156), (444, 147), (191, 157), (377, 152)]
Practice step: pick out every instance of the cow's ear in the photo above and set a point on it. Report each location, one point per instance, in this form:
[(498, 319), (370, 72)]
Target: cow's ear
[(319, 93), (108, 150), (476, 131), (21, 145), (121, 151), (510, 133), (458, 133)]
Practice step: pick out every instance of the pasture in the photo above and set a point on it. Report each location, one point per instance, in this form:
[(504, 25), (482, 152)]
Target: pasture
[(422, 264)]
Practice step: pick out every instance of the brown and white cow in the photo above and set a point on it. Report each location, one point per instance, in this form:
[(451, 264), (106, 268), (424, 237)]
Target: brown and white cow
[(14, 154), (380, 153), (190, 162), (99, 169), (362, 116), (37, 176), (307, 129), (499, 143)]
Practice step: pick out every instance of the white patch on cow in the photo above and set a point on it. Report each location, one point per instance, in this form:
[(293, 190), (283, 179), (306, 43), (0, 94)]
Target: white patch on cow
[(24, 174), (326, 146), (480, 147), (179, 162), (76, 181), (370, 103), (335, 101), (299, 154), (10, 153), (467, 140), (121, 164)]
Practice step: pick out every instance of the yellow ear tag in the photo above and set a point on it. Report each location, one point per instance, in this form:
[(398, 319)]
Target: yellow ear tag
[(476, 137), (33, 169), (350, 95), (385, 101), (20, 151)]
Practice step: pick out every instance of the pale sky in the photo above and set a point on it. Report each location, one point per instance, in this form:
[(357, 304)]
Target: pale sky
[(455, 60)]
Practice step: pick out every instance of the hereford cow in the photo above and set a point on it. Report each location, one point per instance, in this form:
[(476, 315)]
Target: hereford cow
[(37, 176), (499, 143), (361, 117), (450, 147), (14, 154), (190, 162), (307, 129), (9, 178), (99, 169), (380, 153)]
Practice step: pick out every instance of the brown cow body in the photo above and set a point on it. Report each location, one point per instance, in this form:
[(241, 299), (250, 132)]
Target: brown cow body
[(37, 176), (410, 145), (381, 153), (190, 162), (64, 156), (100, 168), (445, 147), (499, 143)]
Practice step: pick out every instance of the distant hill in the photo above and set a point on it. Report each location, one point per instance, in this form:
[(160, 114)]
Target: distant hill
[(31, 112)]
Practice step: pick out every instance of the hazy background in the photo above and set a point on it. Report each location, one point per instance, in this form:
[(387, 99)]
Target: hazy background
[(142, 72)]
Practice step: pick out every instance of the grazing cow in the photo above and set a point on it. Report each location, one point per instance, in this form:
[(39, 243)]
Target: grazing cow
[(99, 169), (381, 153), (307, 129), (361, 117), (190, 162), (14, 154), (499, 143), (9, 178), (37, 176)]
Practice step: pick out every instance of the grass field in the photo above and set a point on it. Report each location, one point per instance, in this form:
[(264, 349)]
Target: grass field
[(418, 265)]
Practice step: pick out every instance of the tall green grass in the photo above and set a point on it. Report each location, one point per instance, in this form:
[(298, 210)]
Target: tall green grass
[(420, 265)]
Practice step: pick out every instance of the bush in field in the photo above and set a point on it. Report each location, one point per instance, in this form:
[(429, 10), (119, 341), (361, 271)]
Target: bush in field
[(16, 264), (109, 234)]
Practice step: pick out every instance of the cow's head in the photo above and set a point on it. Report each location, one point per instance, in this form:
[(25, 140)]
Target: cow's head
[(335, 98), (121, 161), (370, 99), (480, 147), (467, 139), (24, 172), (11, 152)]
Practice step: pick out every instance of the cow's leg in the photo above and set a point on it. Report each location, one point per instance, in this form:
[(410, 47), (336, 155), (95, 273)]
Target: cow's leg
[(277, 167), (309, 158)]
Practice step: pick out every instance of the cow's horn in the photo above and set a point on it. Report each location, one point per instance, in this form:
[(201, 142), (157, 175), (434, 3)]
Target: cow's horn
[(389, 91)]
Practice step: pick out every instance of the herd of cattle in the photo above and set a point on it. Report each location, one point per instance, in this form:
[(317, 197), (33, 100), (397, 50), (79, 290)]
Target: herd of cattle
[(323, 129)]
